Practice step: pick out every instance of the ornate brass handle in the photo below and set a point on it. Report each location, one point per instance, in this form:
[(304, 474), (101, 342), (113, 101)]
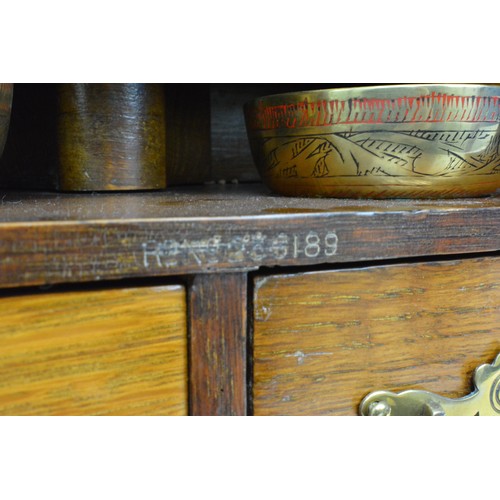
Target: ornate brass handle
[(484, 400)]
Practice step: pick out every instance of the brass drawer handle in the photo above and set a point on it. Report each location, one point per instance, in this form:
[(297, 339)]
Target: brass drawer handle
[(483, 401)]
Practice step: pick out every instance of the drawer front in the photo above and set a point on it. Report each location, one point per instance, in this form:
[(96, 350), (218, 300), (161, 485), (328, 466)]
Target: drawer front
[(108, 352), (324, 340)]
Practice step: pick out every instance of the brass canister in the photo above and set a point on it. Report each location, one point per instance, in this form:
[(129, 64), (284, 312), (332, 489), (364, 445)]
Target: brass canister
[(6, 90), (111, 137)]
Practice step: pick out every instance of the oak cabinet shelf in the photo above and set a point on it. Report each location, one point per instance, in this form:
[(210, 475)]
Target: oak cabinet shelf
[(48, 238)]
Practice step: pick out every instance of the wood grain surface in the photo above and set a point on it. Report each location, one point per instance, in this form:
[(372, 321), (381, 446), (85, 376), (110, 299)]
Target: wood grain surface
[(218, 344), (54, 238), (324, 340), (106, 352)]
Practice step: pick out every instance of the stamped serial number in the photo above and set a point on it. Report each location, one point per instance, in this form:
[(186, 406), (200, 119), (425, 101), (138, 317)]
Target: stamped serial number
[(239, 249)]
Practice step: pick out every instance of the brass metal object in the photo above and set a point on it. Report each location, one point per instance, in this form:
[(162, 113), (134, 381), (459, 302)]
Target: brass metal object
[(6, 90), (111, 136), (397, 141), (483, 401)]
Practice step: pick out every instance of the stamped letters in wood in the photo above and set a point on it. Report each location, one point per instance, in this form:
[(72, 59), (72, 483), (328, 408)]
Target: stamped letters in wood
[(254, 247)]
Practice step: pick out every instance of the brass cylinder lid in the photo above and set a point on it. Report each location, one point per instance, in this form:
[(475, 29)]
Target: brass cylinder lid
[(111, 137)]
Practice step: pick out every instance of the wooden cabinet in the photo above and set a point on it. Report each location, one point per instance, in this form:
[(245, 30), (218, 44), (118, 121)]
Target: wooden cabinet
[(220, 298)]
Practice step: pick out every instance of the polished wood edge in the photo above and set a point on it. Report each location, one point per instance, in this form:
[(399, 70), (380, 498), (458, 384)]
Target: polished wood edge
[(47, 253)]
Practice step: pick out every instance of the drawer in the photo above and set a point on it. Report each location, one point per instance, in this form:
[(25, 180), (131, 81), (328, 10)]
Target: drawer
[(105, 352), (323, 340)]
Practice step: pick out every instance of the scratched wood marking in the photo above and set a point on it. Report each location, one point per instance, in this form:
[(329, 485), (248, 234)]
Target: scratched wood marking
[(251, 246)]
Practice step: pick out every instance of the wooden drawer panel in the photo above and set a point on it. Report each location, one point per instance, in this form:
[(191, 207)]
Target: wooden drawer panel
[(323, 340), (108, 352)]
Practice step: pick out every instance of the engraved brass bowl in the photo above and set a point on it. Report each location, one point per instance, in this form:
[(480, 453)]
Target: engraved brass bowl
[(5, 108), (396, 141)]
